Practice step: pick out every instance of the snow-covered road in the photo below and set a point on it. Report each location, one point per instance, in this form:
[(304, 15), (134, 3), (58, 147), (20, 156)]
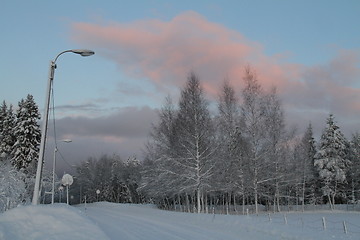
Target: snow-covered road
[(138, 222), (102, 221), (130, 222)]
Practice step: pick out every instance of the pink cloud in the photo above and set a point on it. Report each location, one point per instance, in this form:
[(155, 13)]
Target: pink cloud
[(164, 52)]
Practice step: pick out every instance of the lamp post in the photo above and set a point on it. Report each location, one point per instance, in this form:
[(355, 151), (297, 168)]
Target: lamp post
[(84, 53), (53, 173)]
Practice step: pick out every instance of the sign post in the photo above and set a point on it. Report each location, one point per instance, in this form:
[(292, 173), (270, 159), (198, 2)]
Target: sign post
[(67, 180)]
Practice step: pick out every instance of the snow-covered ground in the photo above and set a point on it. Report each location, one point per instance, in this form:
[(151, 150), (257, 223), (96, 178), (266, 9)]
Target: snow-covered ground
[(125, 221)]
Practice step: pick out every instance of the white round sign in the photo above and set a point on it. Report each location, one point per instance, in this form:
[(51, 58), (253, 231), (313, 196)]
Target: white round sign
[(67, 180), (98, 191)]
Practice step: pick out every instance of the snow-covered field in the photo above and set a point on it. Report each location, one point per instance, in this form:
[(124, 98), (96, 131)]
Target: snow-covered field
[(125, 221)]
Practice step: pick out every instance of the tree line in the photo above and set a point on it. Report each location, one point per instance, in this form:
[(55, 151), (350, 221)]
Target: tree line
[(197, 157), (244, 154), (19, 148), (238, 155)]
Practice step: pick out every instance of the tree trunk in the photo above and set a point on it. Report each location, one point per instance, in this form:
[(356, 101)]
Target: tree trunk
[(256, 197), (206, 203), (198, 200), (243, 204), (331, 205), (187, 202), (180, 205)]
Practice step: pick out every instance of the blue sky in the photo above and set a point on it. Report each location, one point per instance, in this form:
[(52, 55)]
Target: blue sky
[(106, 102)]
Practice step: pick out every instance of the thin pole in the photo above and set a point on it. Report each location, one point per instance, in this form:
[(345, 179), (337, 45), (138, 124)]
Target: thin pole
[(53, 180), (67, 194)]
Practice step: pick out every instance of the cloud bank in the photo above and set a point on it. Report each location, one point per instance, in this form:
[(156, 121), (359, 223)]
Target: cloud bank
[(122, 133)]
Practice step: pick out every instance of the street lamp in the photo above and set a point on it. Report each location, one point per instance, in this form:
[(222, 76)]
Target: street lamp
[(53, 173), (84, 53)]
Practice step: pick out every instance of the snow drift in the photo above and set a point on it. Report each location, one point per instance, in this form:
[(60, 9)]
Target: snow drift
[(43, 222)]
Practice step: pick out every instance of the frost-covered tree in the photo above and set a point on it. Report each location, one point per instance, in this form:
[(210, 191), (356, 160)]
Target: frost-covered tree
[(253, 112), (7, 137), (27, 132), (310, 176), (159, 173), (12, 186), (275, 138), (3, 112), (116, 180), (305, 173), (95, 174), (354, 168), (131, 176), (195, 143), (331, 160), (229, 173)]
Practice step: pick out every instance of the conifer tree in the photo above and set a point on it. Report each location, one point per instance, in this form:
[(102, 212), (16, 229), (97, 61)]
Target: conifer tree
[(331, 160), (308, 173), (27, 132), (3, 112), (7, 137)]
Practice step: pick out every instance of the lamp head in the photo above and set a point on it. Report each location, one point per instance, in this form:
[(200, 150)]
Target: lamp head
[(83, 52)]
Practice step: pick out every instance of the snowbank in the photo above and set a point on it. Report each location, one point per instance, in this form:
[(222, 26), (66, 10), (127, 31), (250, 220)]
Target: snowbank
[(43, 222)]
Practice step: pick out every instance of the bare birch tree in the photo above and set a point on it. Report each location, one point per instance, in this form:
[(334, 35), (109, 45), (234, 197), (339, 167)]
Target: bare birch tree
[(253, 114), (195, 145)]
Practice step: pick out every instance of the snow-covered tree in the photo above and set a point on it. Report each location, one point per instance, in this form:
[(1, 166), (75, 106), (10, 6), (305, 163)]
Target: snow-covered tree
[(3, 111), (306, 176), (12, 186), (229, 173), (7, 137), (195, 143), (27, 132), (354, 169), (159, 174), (276, 138), (331, 159), (116, 180), (253, 114), (310, 177), (131, 176)]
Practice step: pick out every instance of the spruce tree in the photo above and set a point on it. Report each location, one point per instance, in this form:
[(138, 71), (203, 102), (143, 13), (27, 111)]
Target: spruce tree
[(3, 112), (331, 161), (27, 132), (7, 137), (309, 174)]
